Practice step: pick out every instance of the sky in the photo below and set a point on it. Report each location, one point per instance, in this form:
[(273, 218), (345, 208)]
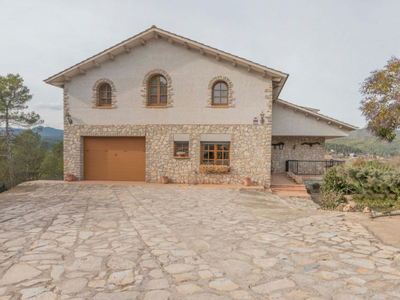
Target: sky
[(327, 47)]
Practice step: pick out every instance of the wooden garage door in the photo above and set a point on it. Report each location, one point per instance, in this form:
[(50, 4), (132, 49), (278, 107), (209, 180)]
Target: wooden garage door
[(114, 158)]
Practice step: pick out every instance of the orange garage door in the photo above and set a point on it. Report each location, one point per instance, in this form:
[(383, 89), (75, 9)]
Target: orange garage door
[(115, 158)]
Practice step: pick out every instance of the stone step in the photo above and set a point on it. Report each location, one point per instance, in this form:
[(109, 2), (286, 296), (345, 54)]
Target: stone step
[(288, 186), (302, 194), (289, 190)]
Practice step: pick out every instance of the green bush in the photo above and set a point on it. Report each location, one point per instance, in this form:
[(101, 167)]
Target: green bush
[(332, 199), (332, 181), (375, 164), (373, 184), (379, 203)]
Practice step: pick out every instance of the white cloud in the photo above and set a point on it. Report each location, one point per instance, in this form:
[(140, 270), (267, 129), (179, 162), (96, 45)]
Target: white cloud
[(46, 105)]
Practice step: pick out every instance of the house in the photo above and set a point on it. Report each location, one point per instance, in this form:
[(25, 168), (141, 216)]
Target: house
[(159, 104)]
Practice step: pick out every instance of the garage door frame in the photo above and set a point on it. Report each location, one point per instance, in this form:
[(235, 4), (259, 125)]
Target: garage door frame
[(114, 158)]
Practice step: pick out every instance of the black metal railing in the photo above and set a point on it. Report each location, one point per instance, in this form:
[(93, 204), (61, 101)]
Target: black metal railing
[(311, 167)]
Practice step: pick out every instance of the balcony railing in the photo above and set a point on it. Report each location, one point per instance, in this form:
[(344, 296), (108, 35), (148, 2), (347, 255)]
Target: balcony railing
[(311, 167)]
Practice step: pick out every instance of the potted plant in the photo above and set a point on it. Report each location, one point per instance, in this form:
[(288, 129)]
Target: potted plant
[(164, 179), (180, 153), (247, 181), (70, 177)]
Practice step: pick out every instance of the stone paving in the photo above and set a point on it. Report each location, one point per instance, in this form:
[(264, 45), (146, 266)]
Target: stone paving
[(62, 241)]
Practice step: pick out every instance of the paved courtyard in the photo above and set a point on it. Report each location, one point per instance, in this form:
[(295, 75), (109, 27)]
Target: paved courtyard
[(70, 241)]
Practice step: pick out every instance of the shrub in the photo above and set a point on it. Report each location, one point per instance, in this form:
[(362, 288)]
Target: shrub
[(332, 199), (375, 164), (359, 162), (380, 203), (332, 181), (373, 184), (212, 169)]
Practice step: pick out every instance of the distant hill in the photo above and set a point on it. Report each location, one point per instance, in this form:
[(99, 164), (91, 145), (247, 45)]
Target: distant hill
[(49, 135), (43, 131), (361, 133), (362, 142), (49, 131)]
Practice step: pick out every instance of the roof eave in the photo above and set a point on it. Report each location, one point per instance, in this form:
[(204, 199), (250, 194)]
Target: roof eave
[(281, 87)]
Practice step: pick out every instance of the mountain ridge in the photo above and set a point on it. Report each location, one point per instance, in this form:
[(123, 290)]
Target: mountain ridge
[(44, 131), (361, 141)]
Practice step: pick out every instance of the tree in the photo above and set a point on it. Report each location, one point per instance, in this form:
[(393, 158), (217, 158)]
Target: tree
[(28, 154), (13, 98), (51, 167), (381, 100)]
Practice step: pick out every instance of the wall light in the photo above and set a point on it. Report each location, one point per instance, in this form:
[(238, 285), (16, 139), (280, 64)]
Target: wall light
[(68, 116), (262, 117)]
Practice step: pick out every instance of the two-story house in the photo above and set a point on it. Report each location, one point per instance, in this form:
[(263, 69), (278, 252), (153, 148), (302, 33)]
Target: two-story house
[(159, 104)]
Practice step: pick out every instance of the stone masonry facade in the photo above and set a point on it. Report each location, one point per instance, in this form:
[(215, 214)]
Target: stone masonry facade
[(250, 151), (294, 150)]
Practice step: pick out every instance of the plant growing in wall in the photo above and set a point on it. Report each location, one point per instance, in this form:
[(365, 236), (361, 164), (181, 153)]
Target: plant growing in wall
[(212, 169)]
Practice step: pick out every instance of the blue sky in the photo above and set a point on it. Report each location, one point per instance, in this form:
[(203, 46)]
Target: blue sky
[(327, 47)]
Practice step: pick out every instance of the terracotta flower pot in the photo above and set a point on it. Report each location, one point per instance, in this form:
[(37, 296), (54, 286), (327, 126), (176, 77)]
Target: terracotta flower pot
[(247, 181), (70, 177), (164, 179)]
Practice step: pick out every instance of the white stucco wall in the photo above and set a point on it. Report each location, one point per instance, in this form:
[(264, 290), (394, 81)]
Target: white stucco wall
[(287, 122), (190, 73)]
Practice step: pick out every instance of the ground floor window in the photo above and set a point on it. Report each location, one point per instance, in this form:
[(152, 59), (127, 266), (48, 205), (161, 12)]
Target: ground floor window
[(215, 153), (181, 149)]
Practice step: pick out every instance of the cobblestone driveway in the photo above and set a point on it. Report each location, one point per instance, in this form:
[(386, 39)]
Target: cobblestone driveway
[(61, 241)]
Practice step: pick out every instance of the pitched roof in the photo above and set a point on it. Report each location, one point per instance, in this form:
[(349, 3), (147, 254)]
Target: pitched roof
[(279, 78), (314, 112)]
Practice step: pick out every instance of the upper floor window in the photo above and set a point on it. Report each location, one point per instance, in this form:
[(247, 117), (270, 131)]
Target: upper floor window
[(158, 91), (220, 94), (105, 95)]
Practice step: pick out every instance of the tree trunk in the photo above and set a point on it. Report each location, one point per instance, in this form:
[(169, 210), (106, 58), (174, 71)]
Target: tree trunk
[(9, 155)]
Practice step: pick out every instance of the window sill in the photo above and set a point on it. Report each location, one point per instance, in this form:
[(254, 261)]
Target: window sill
[(229, 172), (103, 107), (156, 106), (181, 157), (219, 106)]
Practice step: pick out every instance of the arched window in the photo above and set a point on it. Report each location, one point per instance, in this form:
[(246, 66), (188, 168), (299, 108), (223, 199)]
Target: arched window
[(158, 91), (220, 94), (105, 95)]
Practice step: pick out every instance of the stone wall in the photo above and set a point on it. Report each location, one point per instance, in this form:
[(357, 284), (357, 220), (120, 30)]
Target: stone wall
[(250, 151), (294, 150)]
